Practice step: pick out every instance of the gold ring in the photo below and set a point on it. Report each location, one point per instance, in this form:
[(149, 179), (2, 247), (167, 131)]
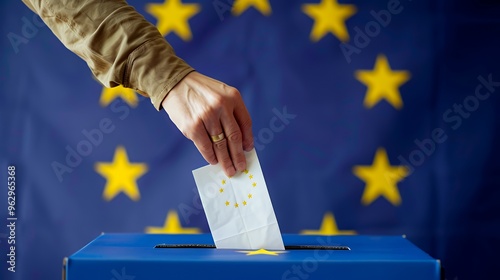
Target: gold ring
[(217, 138)]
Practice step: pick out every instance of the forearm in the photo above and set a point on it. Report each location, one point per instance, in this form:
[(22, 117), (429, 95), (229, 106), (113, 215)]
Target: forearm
[(118, 44)]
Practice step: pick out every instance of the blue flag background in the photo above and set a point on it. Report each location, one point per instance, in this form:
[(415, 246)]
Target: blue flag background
[(383, 121)]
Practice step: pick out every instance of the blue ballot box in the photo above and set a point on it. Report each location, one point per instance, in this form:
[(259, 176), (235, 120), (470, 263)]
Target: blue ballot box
[(158, 256)]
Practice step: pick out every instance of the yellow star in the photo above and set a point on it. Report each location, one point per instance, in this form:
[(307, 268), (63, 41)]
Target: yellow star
[(262, 252), (328, 227), (381, 179), (236, 205), (121, 175), (109, 94), (227, 203), (254, 184), (250, 176), (244, 203), (221, 190), (246, 171), (223, 182), (329, 16), (173, 15), (240, 6), (172, 225), (382, 83), (249, 195)]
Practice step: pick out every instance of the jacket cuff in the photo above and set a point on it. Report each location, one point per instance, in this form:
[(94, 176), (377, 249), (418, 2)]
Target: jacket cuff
[(153, 70)]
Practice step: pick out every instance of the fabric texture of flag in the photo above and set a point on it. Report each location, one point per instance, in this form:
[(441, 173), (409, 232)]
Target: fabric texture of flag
[(370, 118), (239, 210)]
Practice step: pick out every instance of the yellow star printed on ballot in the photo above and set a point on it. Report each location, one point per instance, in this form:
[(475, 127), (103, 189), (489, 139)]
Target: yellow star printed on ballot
[(127, 94), (121, 175), (172, 225), (240, 6), (173, 15), (381, 179), (262, 252), (329, 16), (328, 227), (382, 83)]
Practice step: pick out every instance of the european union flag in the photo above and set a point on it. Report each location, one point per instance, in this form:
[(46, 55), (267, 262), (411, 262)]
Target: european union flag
[(369, 117)]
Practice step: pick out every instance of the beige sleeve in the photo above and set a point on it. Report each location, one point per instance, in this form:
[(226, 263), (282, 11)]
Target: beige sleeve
[(118, 44)]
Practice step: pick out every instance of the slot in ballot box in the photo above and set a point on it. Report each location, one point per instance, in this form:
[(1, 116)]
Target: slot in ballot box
[(162, 256)]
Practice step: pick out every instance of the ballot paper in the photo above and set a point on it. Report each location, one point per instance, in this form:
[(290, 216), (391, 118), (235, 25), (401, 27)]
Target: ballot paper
[(238, 209)]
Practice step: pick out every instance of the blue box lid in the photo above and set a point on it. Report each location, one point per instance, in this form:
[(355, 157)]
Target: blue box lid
[(134, 257)]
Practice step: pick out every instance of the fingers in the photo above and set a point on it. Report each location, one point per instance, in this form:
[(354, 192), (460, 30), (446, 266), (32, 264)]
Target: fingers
[(220, 148), (221, 151), (234, 141), (203, 142), (245, 124), (204, 107)]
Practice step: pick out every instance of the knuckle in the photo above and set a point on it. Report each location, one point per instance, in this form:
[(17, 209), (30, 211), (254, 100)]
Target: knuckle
[(217, 101), (197, 124), (207, 115), (205, 149), (230, 91), (235, 136), (233, 92), (192, 128)]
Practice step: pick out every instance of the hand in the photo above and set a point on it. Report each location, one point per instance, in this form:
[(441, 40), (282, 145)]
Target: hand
[(201, 107)]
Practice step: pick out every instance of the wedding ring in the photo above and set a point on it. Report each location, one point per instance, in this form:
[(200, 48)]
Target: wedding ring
[(217, 138)]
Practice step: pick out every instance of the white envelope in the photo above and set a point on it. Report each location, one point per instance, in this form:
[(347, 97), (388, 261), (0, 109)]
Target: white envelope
[(238, 209)]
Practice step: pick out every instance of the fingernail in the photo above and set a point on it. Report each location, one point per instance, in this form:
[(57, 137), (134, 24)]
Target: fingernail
[(231, 171), (241, 166)]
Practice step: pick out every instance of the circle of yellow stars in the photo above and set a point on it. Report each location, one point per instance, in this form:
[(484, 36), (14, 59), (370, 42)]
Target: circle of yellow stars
[(249, 196)]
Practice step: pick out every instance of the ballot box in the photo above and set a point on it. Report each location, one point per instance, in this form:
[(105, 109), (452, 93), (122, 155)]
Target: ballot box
[(159, 256)]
